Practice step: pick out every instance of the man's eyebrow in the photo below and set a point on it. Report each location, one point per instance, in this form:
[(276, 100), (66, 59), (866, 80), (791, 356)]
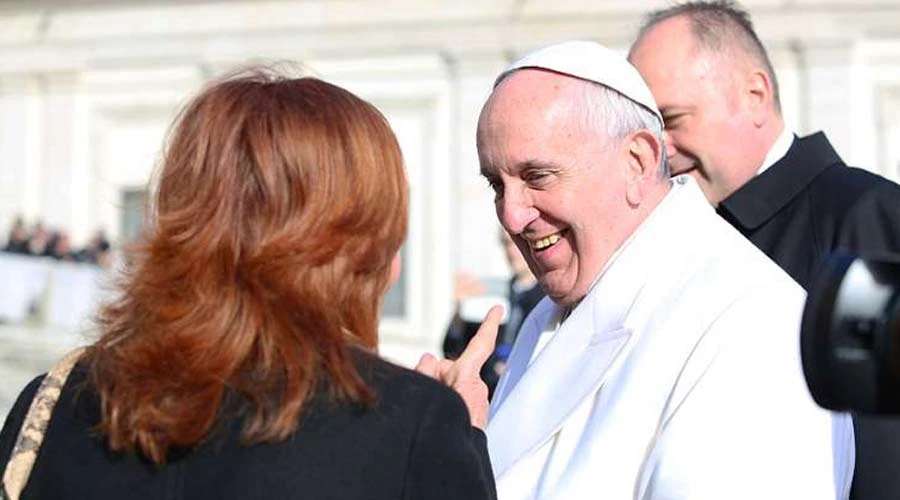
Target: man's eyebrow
[(538, 164), (533, 164)]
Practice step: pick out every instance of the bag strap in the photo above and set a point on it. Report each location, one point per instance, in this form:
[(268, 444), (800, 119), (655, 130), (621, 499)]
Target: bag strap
[(31, 434)]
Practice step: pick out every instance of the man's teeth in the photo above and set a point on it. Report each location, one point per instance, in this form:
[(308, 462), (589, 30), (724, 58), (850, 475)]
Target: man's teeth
[(545, 242)]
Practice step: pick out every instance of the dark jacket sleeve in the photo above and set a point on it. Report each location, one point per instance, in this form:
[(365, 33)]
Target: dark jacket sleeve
[(14, 419), (872, 225), (449, 458)]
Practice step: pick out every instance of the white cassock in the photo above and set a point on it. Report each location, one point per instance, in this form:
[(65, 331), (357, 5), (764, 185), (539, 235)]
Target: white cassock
[(677, 377)]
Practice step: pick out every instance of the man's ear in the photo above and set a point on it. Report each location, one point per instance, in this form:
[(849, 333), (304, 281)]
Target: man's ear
[(643, 152), (759, 95)]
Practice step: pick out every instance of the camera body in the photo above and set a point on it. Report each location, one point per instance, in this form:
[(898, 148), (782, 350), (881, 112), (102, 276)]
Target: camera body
[(850, 335)]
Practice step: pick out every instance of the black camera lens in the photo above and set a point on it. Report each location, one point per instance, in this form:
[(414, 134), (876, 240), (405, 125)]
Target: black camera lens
[(850, 336)]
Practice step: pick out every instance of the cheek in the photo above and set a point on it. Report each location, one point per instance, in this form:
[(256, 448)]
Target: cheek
[(681, 139), (693, 144)]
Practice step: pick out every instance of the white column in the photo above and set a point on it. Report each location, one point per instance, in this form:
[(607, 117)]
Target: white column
[(415, 94), (888, 104), (476, 227), (787, 62), (828, 98), (882, 60), (20, 148), (64, 172), (130, 110)]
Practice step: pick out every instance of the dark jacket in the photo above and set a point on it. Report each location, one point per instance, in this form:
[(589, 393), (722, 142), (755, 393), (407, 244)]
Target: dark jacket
[(810, 204), (416, 443), (804, 207)]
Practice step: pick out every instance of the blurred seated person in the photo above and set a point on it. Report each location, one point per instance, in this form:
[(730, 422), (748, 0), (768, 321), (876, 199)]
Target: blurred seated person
[(38, 240), (239, 359), (17, 242), (523, 293), (96, 251), (59, 247)]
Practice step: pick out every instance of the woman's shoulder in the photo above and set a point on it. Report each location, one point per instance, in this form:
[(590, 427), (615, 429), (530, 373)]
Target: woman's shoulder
[(393, 383), (14, 419), (73, 383), (444, 448)]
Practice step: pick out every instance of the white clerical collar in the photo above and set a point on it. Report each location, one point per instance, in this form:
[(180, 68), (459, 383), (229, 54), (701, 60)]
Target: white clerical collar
[(778, 150)]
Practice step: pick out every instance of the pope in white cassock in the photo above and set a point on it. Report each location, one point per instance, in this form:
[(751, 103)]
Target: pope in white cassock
[(665, 362)]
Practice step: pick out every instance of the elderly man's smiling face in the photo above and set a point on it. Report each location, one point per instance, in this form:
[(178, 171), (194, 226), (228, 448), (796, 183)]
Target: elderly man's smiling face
[(560, 185)]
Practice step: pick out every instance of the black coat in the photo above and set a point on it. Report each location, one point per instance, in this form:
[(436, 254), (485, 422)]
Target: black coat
[(798, 211), (416, 443)]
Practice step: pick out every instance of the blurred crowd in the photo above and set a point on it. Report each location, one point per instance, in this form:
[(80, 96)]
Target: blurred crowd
[(41, 241)]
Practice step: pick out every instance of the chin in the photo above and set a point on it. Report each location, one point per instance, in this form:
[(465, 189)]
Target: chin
[(561, 290), (561, 298)]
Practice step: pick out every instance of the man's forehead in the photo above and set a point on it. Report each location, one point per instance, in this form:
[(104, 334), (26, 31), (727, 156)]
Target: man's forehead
[(531, 83), (665, 48), (587, 61), (674, 33), (526, 98)]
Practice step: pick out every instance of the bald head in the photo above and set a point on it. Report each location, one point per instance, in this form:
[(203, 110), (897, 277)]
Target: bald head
[(716, 28), (716, 90)]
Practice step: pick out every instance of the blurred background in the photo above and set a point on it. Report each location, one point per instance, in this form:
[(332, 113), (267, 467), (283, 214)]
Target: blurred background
[(88, 89)]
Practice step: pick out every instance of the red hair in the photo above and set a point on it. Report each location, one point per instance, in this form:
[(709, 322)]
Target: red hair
[(279, 208)]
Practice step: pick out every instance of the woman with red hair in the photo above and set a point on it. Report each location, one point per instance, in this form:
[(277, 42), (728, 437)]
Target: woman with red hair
[(238, 360)]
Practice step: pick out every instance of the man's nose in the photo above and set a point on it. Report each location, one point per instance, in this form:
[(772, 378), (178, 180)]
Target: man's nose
[(515, 211)]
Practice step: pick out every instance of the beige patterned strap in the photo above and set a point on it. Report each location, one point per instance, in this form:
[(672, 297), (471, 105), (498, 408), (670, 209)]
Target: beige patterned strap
[(35, 425)]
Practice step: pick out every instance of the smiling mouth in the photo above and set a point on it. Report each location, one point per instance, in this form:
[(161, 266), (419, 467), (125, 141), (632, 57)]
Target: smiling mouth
[(546, 242), (674, 170), (683, 170)]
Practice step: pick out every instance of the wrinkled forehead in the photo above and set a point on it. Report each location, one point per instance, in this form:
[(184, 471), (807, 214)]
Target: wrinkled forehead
[(535, 120), (532, 86), (529, 100)]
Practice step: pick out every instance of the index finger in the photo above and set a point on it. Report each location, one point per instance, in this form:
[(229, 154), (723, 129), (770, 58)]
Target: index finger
[(482, 344), (428, 365)]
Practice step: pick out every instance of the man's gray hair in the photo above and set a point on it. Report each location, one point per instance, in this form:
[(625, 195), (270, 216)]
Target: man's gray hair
[(607, 110)]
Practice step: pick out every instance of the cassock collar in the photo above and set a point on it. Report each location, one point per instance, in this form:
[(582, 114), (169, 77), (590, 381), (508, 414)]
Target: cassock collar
[(763, 196)]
